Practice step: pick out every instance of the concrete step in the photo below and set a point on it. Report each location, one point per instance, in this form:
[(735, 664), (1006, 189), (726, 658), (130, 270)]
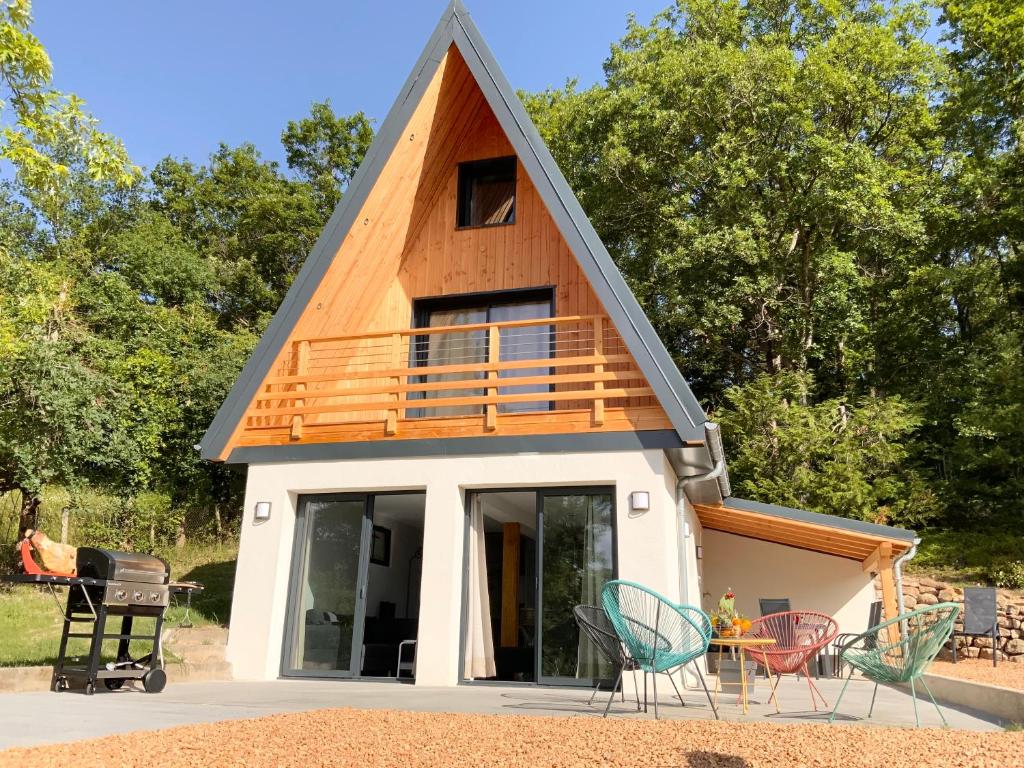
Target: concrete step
[(19, 679), (196, 654), (197, 645), (207, 635)]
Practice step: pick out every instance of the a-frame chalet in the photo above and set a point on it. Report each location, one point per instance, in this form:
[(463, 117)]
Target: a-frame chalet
[(460, 424)]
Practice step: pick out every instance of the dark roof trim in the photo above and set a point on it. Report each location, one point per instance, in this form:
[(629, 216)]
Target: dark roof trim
[(588, 442), (455, 26), (816, 518)]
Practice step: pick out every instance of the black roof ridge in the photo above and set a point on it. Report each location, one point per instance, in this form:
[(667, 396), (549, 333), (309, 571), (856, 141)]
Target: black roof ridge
[(456, 27)]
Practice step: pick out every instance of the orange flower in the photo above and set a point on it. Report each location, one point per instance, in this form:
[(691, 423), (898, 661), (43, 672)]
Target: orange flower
[(736, 621)]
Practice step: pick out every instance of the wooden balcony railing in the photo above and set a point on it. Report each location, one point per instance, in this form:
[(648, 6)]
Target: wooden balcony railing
[(496, 371)]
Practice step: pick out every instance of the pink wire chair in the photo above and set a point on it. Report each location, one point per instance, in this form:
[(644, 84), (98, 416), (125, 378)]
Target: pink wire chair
[(799, 636)]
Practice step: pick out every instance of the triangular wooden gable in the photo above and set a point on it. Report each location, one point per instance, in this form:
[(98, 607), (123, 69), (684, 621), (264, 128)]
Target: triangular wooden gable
[(393, 239)]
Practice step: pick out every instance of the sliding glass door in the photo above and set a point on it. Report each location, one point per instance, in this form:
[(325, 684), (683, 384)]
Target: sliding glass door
[(328, 584), (470, 347), (577, 558), (531, 557)]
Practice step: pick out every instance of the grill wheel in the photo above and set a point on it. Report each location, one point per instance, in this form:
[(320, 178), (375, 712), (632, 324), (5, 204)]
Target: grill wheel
[(154, 680)]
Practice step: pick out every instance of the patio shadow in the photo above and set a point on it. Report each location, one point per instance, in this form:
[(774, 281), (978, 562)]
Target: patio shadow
[(715, 760)]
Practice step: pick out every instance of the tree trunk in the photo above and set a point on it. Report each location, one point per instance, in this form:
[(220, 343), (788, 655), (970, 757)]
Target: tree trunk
[(29, 512), (217, 522), (181, 535)]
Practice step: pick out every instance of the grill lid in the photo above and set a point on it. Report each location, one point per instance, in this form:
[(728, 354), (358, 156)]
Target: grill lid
[(121, 566)]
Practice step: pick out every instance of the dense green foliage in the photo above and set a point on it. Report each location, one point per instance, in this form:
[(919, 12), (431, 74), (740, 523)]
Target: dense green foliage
[(821, 212), (820, 208), (129, 304)]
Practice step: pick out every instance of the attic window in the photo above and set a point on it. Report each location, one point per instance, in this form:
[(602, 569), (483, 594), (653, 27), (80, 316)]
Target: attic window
[(487, 193)]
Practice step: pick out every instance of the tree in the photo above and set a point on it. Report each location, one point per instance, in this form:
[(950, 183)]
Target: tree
[(837, 456), (59, 416), (325, 150), (46, 126), (253, 225), (766, 175), (754, 168)]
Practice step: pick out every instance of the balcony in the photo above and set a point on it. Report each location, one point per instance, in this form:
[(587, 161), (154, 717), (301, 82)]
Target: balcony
[(562, 374)]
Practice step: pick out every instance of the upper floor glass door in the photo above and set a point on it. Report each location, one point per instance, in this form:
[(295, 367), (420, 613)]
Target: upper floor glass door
[(471, 347)]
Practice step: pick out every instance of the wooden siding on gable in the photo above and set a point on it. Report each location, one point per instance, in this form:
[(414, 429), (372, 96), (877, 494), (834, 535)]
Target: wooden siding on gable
[(405, 245)]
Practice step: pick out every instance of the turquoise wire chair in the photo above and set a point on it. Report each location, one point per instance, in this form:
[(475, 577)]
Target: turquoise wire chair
[(658, 635), (899, 651)]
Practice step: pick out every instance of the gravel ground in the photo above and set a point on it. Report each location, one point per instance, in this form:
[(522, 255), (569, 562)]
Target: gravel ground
[(1007, 674), (350, 737)]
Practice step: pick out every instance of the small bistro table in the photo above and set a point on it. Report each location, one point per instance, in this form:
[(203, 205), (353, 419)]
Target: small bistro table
[(740, 644)]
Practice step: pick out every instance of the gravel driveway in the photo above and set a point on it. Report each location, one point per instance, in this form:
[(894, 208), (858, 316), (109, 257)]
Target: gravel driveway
[(350, 737)]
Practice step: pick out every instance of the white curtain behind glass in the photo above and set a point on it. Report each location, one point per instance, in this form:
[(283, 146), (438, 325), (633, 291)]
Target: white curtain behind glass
[(529, 343), (455, 348), (479, 644)]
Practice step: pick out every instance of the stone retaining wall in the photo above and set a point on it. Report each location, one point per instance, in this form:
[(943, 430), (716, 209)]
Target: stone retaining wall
[(919, 591)]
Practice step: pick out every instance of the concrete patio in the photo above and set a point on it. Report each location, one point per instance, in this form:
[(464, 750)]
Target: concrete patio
[(45, 718)]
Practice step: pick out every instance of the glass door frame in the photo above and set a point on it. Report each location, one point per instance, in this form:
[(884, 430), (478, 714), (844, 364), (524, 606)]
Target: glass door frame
[(540, 493), (295, 584), (362, 581)]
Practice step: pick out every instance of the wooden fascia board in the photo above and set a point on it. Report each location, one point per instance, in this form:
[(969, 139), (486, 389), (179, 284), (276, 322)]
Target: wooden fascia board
[(806, 533), (830, 546)]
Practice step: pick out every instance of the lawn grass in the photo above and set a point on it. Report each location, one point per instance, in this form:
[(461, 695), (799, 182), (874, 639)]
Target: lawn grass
[(30, 621)]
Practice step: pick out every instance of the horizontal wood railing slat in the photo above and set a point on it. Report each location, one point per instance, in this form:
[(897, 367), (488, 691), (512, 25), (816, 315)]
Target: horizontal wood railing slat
[(439, 386), (506, 365), (447, 402)]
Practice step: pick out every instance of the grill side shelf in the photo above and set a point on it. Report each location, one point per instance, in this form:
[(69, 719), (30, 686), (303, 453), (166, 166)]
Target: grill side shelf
[(57, 581)]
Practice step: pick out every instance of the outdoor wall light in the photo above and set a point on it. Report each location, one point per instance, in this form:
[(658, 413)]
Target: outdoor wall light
[(262, 511), (639, 501)]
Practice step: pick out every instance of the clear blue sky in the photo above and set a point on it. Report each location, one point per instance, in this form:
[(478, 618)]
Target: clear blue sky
[(179, 77)]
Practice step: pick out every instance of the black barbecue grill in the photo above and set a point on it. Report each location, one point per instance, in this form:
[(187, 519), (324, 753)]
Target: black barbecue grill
[(109, 584)]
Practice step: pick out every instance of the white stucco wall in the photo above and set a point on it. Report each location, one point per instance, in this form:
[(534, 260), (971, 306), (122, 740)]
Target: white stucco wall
[(647, 541), (812, 581)]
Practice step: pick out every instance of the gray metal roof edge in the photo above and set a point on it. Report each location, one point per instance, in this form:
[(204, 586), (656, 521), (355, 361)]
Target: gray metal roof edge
[(570, 442), (326, 247), (817, 518), (671, 388)]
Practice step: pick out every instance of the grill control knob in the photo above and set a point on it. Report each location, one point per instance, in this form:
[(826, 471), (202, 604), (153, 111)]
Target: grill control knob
[(154, 597), (139, 597), (120, 595)]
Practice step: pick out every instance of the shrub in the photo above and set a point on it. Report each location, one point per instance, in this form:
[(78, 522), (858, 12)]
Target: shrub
[(1009, 575)]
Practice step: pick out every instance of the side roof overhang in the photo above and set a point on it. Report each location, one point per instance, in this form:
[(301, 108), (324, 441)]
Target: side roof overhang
[(828, 534), (457, 28)]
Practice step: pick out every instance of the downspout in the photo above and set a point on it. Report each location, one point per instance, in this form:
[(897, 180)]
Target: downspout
[(713, 441), (897, 570)]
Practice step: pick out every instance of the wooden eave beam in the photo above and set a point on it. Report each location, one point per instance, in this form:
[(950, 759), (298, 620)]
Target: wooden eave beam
[(873, 562), (831, 541)]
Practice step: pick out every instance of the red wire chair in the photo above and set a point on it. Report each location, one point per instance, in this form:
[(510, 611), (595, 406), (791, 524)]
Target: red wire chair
[(799, 636)]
